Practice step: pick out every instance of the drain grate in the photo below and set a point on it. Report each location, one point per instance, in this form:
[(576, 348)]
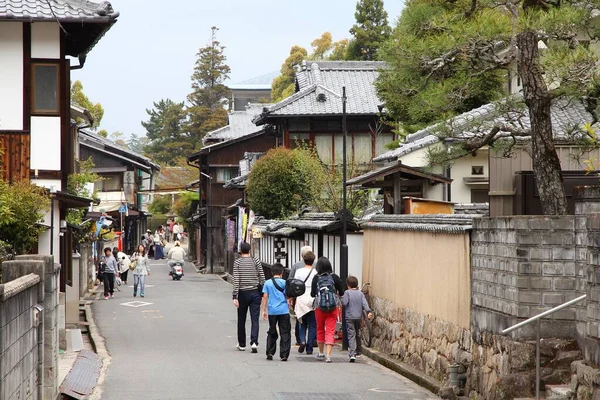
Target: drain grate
[(317, 396)]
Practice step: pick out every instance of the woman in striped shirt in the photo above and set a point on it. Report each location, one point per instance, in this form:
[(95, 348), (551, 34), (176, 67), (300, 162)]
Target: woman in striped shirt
[(248, 279)]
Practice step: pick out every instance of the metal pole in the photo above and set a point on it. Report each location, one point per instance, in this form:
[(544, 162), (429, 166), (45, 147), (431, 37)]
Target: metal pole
[(51, 225), (343, 243), (209, 231), (537, 361)]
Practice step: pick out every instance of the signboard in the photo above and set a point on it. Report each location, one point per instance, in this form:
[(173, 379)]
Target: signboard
[(279, 248), (256, 233)]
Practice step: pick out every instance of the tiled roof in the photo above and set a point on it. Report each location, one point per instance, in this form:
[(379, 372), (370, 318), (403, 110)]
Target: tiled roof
[(320, 89), (240, 124), (433, 223), (63, 10), (565, 115)]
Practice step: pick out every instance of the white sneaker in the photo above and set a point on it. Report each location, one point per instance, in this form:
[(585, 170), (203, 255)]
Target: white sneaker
[(254, 347), (240, 348)]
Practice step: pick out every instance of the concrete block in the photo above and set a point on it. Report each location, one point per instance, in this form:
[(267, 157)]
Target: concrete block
[(540, 223), (563, 253), (557, 238), (552, 299), (564, 223), (541, 283), (523, 282), (531, 268), (564, 283), (543, 254), (564, 314), (552, 269), (530, 297)]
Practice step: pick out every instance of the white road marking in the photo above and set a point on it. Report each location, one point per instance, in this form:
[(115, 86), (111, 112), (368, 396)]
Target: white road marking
[(136, 304)]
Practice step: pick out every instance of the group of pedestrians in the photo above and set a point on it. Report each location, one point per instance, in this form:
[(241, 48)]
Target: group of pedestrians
[(316, 310), (115, 265)]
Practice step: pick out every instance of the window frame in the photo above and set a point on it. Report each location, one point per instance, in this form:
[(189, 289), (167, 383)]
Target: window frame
[(45, 112), (232, 170)]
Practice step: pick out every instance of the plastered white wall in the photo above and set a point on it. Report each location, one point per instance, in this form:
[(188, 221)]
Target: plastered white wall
[(355, 255), (461, 193), (45, 40), (45, 143), (44, 238), (11, 75)]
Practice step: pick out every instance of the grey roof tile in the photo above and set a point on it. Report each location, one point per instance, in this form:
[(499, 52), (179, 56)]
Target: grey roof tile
[(240, 124), (56, 9), (327, 78), (565, 115)]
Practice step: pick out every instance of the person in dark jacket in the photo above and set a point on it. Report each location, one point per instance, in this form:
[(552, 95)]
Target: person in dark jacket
[(326, 320)]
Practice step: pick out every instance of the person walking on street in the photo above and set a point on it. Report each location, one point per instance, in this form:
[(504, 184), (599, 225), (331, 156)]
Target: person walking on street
[(110, 269), (124, 262), (295, 267), (150, 246), (303, 308), (325, 288), (354, 303), (279, 314), (159, 238), (171, 227), (248, 280), (176, 232), (140, 271)]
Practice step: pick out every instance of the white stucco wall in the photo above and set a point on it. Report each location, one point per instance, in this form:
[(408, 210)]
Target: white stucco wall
[(355, 255), (45, 40), (11, 75), (45, 143), (461, 193), (44, 238)]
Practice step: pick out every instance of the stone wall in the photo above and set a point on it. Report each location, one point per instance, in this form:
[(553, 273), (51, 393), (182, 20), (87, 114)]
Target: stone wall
[(522, 266), (19, 344)]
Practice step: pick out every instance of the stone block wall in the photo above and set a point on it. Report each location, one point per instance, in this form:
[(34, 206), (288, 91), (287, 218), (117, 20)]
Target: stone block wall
[(19, 344), (522, 266)]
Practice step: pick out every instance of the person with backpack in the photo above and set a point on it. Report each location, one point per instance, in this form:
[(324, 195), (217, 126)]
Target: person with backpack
[(325, 288), (248, 281), (274, 299), (305, 313)]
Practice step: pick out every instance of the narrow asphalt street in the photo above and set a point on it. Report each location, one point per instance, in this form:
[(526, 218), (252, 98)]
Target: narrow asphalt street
[(179, 343)]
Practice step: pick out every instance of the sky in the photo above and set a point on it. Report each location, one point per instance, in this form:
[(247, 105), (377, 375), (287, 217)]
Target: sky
[(149, 53)]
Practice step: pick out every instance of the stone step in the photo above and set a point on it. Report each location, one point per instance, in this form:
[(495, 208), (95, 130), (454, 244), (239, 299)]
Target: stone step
[(558, 392)]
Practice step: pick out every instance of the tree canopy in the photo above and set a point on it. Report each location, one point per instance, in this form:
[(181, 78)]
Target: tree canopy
[(79, 98), (370, 30), (283, 181), (166, 131), (445, 58), (207, 101)]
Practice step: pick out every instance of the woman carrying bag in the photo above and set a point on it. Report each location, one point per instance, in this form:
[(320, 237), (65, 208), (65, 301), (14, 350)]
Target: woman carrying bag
[(141, 269)]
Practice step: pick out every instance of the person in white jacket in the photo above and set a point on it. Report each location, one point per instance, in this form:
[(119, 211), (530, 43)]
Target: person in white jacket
[(141, 270), (124, 263), (303, 308)]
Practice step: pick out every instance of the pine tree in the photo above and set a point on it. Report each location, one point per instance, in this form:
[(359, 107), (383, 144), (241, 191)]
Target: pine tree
[(168, 138), (207, 100), (370, 31), (446, 58)]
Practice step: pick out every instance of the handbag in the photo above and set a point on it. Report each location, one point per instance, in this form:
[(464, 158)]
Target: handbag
[(132, 265), (296, 287), (118, 281), (258, 265)]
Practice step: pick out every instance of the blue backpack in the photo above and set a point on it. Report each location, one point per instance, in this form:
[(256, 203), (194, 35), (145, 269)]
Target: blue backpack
[(327, 299)]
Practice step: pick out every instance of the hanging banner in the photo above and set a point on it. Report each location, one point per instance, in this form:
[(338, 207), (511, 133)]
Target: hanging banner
[(250, 223), (231, 235), (244, 226), (240, 236)]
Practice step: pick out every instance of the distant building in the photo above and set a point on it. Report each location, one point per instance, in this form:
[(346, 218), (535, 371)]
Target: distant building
[(255, 90)]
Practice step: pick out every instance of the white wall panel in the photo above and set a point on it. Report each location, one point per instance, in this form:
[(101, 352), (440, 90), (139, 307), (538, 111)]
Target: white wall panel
[(11, 75), (45, 143), (45, 40)]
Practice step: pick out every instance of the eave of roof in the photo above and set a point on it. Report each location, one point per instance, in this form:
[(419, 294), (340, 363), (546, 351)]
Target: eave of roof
[(216, 146), (395, 168), (431, 223)]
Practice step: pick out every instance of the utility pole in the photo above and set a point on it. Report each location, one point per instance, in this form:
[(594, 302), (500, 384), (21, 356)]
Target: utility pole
[(343, 243)]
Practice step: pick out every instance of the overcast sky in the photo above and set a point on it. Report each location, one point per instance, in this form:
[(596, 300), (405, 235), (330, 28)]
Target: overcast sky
[(149, 53)]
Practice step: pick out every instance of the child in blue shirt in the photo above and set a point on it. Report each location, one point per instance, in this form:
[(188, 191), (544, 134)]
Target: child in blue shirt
[(275, 302)]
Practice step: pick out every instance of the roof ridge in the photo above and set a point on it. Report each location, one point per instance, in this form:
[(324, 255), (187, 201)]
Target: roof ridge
[(298, 95)]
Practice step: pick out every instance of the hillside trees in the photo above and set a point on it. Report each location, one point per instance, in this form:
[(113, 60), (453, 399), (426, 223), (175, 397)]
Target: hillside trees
[(449, 57)]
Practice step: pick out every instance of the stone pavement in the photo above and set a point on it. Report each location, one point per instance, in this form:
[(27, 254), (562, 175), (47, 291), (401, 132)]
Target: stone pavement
[(179, 343)]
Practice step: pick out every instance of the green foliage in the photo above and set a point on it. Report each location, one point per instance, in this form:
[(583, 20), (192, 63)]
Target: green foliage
[(166, 132), (76, 185), (79, 98), (331, 197), (283, 181), (370, 30), (283, 85), (137, 144), (22, 209), (183, 207), (160, 204), (207, 111)]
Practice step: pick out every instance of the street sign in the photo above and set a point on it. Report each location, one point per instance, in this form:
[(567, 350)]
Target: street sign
[(279, 248), (123, 208)]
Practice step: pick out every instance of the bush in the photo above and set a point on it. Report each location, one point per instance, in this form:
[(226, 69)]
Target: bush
[(283, 181), (160, 205)]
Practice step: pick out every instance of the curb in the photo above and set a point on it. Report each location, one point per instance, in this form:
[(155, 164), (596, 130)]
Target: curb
[(99, 346), (403, 369)]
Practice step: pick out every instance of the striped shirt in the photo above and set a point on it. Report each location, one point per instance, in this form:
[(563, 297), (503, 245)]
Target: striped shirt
[(247, 275)]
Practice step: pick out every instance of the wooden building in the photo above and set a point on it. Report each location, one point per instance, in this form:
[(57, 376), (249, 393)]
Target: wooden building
[(313, 114), (38, 41), (217, 164)]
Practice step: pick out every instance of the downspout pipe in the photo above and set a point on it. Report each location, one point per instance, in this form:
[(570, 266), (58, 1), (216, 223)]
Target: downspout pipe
[(82, 57)]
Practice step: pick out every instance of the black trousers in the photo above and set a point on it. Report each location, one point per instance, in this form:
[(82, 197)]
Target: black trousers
[(285, 330), (249, 300), (109, 283)]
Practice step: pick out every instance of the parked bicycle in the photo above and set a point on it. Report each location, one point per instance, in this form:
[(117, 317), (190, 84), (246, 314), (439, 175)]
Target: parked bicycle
[(366, 327)]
